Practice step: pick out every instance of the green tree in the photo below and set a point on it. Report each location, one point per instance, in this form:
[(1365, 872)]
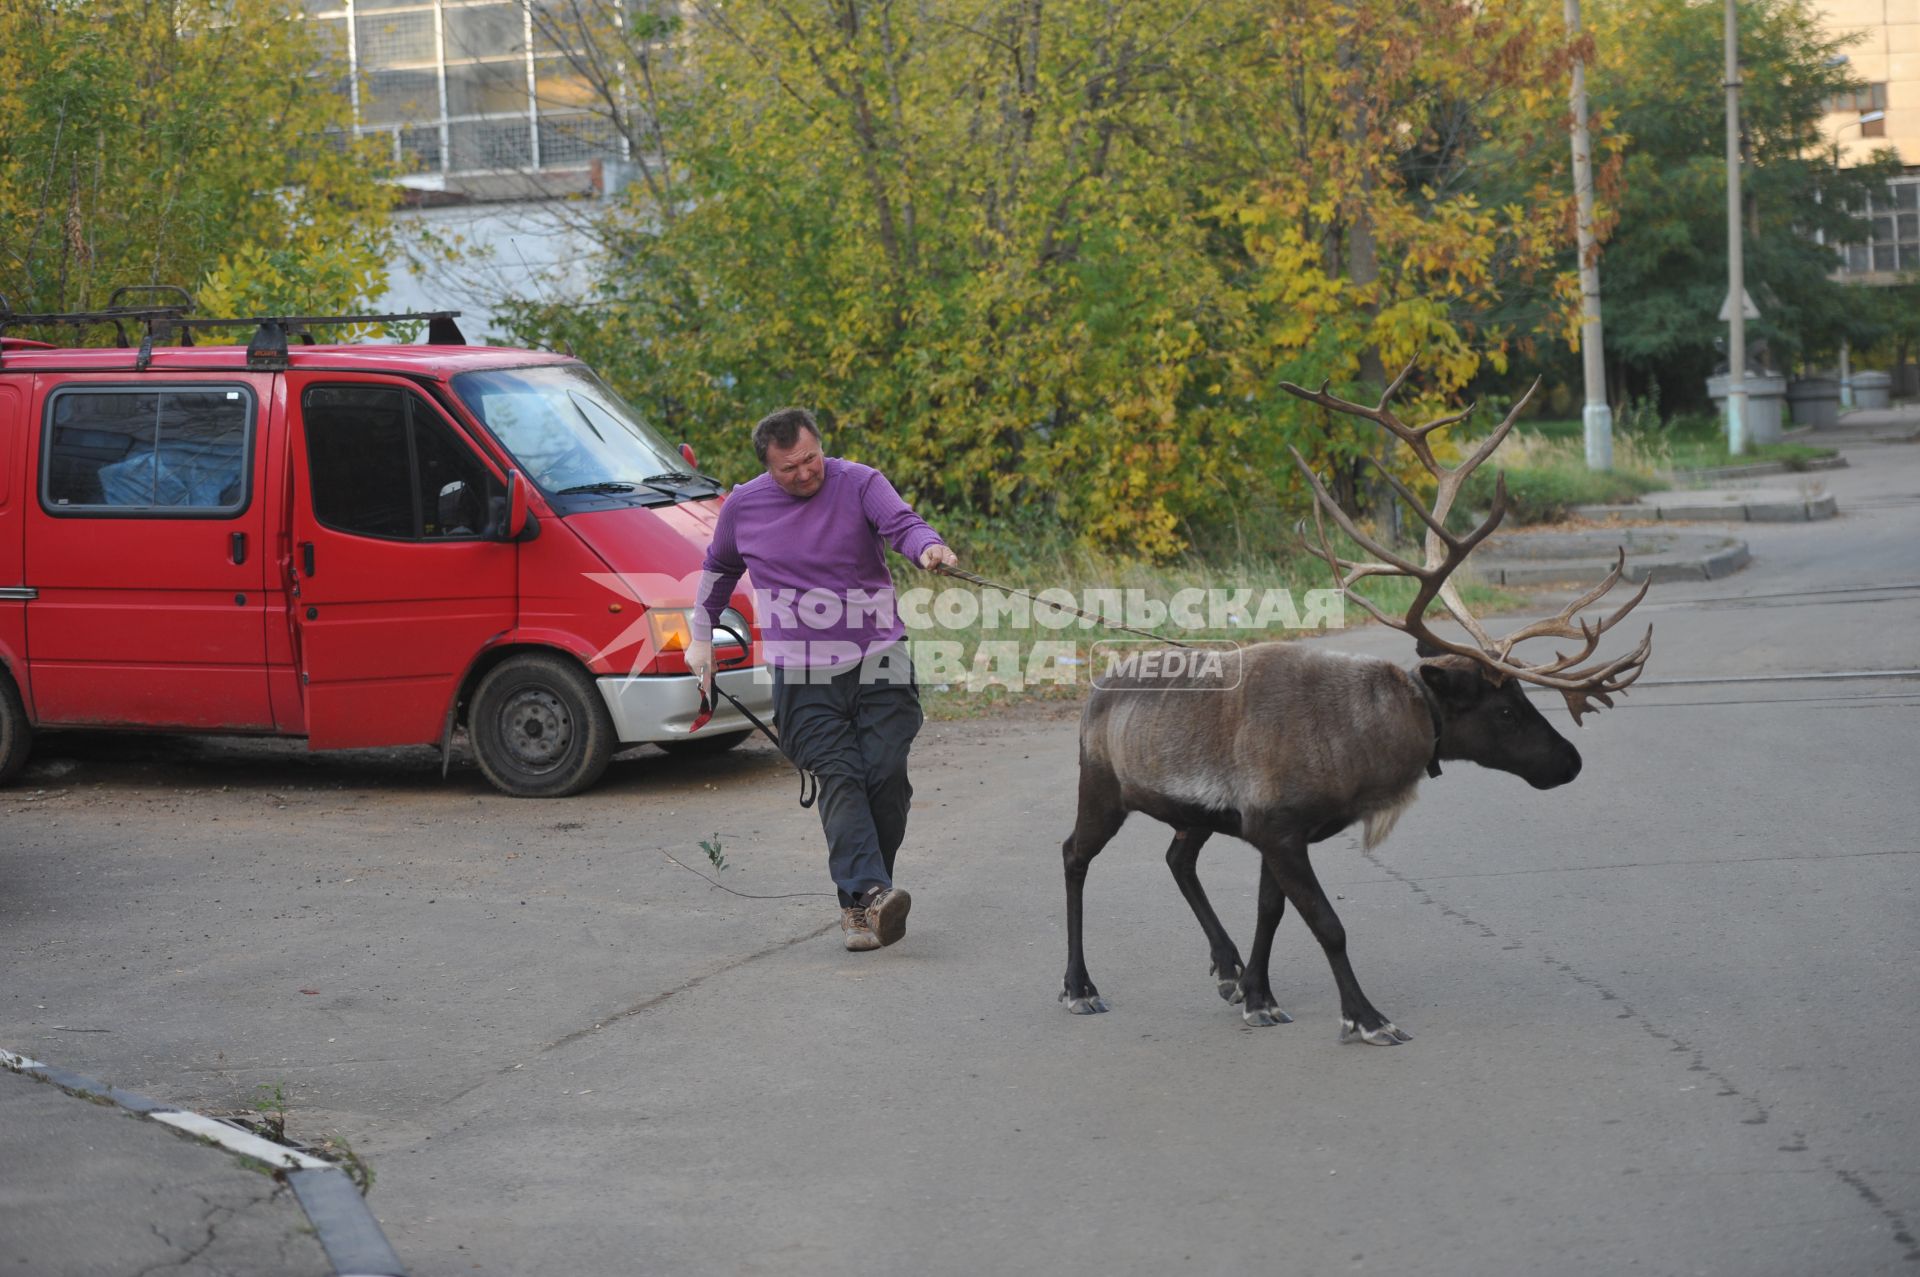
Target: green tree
[(184, 142), (1057, 252), (1416, 197), (1664, 271)]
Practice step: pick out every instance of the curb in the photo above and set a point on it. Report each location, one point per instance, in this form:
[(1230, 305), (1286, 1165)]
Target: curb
[(347, 1230), (1714, 474), (1808, 511), (1530, 559), (1712, 567)]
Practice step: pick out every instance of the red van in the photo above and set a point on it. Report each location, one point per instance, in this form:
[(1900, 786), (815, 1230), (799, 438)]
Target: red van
[(364, 545)]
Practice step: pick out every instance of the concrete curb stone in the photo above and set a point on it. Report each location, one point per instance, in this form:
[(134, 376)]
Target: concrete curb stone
[(1553, 558), (1733, 505), (349, 1236), (1759, 470)]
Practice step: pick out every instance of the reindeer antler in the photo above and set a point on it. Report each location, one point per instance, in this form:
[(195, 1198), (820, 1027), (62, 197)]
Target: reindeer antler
[(1584, 687)]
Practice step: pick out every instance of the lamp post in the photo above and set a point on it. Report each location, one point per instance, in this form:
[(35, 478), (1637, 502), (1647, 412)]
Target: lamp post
[(1597, 417), (1736, 268)]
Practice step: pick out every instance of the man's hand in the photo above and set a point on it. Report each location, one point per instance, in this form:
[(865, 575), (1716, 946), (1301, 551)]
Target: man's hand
[(938, 556), (700, 662)]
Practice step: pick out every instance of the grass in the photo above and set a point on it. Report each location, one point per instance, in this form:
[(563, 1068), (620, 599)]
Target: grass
[(1691, 441), (1547, 475), (1713, 454)]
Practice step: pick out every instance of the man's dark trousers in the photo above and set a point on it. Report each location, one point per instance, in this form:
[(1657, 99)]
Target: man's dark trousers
[(852, 731)]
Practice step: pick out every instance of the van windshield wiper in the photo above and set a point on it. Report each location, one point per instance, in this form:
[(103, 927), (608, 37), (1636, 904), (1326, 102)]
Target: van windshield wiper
[(677, 480), (605, 485), (629, 488)]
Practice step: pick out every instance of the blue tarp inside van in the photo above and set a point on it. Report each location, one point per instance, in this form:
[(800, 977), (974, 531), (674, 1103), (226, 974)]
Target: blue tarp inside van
[(180, 472)]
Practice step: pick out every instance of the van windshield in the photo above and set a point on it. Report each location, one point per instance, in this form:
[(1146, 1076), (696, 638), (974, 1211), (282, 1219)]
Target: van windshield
[(569, 433)]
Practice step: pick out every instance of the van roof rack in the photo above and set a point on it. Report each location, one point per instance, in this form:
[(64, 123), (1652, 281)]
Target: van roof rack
[(266, 350)]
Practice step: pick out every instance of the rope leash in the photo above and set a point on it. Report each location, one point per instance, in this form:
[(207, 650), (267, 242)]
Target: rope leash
[(809, 783), (744, 895), (948, 570)]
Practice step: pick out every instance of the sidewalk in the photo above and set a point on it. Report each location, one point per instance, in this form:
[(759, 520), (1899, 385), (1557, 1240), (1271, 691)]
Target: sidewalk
[(1900, 424), (1657, 549)]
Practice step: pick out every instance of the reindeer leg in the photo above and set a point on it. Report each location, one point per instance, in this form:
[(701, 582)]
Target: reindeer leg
[(1099, 819), (1260, 1009), (1183, 857), (1285, 853)]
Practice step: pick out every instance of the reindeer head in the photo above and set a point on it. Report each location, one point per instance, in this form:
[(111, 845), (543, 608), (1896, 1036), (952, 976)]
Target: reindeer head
[(1476, 687), (1492, 723)]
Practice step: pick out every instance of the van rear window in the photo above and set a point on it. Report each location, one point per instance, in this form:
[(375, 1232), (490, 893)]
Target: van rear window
[(147, 450)]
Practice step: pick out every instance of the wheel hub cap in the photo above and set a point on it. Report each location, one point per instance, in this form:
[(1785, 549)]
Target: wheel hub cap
[(537, 732)]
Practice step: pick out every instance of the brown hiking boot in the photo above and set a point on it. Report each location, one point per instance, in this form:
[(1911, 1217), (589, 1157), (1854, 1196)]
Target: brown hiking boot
[(854, 929), (887, 912)]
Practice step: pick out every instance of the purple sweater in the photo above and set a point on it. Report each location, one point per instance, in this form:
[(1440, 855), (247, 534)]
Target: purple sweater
[(821, 592)]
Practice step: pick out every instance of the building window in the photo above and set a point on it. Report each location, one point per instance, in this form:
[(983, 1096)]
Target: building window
[(1865, 100), (456, 87), (1892, 225)]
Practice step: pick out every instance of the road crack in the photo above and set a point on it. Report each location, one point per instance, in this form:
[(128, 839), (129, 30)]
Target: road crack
[(1758, 1113), (640, 1008), (212, 1218), (688, 986)]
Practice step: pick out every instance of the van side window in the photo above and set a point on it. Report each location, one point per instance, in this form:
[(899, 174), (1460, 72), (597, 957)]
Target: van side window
[(381, 464), (147, 450)]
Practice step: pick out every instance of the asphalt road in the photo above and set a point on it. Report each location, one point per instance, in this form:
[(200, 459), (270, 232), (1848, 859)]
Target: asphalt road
[(1664, 1018)]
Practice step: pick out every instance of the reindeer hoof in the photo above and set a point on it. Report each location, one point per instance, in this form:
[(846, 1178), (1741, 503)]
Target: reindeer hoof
[(1385, 1035), (1229, 982), (1264, 1017), (1092, 1004)]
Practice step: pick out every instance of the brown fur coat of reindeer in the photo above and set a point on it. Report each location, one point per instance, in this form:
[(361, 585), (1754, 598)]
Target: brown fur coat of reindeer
[(1285, 744)]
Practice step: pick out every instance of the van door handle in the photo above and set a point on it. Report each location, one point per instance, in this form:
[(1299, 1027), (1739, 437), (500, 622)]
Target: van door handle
[(237, 548), (306, 557)]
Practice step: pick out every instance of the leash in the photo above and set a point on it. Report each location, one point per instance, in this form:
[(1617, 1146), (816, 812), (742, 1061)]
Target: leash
[(948, 570), (809, 783)]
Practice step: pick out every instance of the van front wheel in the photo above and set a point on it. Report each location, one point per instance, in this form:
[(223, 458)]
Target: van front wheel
[(16, 733), (539, 727)]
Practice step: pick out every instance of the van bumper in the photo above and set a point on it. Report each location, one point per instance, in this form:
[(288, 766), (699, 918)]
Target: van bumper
[(663, 707)]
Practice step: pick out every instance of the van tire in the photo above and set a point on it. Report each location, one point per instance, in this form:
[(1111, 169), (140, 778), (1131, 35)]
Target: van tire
[(704, 746), (16, 733), (539, 727)]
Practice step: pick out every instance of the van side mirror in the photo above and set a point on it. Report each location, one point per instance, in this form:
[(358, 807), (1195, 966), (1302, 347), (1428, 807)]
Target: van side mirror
[(686, 453), (513, 521)]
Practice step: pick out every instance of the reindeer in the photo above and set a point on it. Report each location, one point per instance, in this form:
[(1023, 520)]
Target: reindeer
[(1290, 744)]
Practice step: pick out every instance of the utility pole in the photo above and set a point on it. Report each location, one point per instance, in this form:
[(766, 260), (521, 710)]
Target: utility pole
[(1597, 416), (1736, 268)]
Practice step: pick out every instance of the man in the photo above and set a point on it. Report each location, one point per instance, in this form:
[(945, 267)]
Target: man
[(813, 530)]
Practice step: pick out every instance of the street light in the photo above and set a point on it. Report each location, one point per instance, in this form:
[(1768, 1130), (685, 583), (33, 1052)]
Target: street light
[(1596, 417), (1736, 267)]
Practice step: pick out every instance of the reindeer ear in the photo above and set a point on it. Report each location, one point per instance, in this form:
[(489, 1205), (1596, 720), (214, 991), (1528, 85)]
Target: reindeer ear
[(1424, 649), (1454, 687)]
